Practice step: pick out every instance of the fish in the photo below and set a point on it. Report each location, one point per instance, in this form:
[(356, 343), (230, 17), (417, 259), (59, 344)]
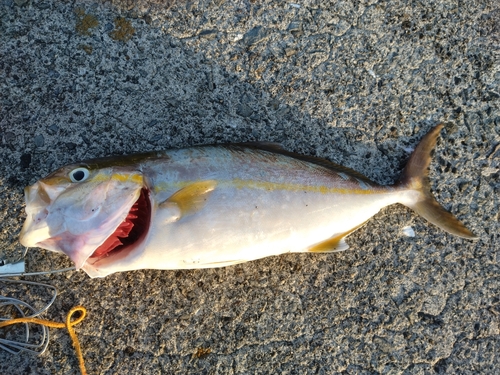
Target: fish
[(214, 206)]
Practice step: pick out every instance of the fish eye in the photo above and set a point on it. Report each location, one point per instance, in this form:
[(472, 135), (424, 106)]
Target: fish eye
[(79, 174)]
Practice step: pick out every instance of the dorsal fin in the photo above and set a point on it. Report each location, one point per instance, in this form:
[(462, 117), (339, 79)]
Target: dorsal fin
[(277, 148)]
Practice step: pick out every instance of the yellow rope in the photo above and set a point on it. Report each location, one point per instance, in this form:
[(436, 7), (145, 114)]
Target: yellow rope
[(68, 325)]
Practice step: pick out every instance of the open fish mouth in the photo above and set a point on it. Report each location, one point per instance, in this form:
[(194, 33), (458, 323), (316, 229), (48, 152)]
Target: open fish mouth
[(130, 232)]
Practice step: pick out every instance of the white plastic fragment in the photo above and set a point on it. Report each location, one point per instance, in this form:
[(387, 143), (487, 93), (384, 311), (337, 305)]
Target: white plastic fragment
[(408, 231), (12, 268)]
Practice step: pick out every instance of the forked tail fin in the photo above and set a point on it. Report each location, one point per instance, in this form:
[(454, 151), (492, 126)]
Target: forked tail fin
[(415, 177)]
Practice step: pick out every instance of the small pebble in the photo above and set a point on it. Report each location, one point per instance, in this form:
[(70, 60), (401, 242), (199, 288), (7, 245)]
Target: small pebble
[(9, 137), (53, 129), (39, 140), (25, 161), (53, 74), (244, 110), (71, 146), (254, 36), (208, 34), (295, 28)]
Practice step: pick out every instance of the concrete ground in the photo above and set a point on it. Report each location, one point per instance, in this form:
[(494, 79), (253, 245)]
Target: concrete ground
[(356, 82)]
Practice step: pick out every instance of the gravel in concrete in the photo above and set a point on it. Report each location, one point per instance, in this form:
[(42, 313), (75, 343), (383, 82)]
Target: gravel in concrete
[(356, 82)]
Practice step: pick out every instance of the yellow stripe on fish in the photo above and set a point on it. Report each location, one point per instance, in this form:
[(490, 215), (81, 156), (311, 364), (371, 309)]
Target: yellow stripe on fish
[(271, 186)]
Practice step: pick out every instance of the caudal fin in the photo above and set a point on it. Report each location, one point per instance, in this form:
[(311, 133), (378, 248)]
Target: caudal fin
[(415, 177)]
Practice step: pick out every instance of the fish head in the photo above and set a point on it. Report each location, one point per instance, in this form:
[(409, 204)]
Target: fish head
[(87, 212)]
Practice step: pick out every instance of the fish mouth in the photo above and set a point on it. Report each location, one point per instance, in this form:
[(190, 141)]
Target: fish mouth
[(130, 232)]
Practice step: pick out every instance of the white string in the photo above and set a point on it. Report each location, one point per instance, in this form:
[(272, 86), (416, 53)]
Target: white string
[(20, 274)]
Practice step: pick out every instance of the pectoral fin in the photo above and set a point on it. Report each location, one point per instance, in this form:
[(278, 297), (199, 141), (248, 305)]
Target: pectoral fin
[(190, 198), (334, 243)]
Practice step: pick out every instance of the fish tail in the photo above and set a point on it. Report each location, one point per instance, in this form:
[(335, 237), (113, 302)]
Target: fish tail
[(415, 177)]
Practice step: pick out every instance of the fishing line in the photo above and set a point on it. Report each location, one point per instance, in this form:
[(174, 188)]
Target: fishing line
[(27, 313), (25, 310)]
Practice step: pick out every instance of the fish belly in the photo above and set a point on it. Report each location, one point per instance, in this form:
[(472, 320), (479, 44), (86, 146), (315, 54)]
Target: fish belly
[(243, 224)]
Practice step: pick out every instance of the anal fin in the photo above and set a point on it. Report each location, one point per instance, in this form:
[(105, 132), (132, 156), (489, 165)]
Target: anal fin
[(334, 243), (331, 245)]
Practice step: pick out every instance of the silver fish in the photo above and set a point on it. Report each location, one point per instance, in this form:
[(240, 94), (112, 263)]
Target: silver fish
[(214, 206)]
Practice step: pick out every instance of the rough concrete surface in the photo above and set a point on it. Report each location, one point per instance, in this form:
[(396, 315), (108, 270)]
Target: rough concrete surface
[(357, 82)]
